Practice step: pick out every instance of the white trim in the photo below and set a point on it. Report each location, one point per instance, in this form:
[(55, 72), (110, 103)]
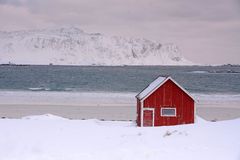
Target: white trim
[(182, 89), (153, 111), (168, 115), (150, 87), (168, 78), (141, 106), (195, 112), (137, 96)]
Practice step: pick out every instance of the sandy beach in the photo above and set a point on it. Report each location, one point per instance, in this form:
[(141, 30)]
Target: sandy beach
[(105, 106)]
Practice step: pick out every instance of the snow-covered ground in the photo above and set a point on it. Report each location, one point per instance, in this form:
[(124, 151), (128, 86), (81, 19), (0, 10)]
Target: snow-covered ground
[(48, 137)]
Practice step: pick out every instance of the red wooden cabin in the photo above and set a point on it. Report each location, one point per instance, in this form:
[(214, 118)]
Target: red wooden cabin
[(163, 103)]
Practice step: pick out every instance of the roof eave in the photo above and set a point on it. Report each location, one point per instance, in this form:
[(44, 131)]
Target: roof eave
[(167, 78)]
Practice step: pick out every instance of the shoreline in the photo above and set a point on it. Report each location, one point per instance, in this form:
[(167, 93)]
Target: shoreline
[(104, 105)]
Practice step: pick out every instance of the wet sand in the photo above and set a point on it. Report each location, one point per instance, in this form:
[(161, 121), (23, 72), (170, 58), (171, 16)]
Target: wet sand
[(104, 111), (112, 106), (216, 111), (77, 111)]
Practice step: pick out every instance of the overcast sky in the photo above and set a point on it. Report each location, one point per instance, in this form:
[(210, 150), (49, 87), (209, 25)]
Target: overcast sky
[(206, 31)]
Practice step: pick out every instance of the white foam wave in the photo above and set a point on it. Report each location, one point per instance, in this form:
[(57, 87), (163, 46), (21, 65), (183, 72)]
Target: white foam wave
[(39, 89), (199, 72)]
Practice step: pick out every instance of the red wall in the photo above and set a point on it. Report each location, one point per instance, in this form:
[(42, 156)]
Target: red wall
[(170, 95)]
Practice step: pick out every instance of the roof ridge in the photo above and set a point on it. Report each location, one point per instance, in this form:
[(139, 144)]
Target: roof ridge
[(156, 83)]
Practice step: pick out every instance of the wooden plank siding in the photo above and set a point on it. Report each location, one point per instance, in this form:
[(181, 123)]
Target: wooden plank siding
[(171, 96)]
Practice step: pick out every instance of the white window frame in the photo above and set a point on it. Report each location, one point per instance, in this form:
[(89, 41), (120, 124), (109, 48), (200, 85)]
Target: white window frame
[(162, 108)]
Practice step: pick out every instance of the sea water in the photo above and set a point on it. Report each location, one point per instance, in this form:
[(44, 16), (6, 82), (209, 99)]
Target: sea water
[(195, 79)]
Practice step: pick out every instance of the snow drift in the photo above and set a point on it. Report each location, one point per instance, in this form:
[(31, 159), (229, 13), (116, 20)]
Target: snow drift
[(50, 137), (72, 46)]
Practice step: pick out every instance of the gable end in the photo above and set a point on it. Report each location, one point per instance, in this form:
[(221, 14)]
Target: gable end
[(146, 92)]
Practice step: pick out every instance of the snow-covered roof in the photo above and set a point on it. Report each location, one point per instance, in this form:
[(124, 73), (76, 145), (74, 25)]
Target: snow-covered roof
[(151, 87), (156, 84)]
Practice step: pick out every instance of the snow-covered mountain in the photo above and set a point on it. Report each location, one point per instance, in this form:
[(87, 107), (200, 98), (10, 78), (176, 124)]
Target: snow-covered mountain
[(72, 46)]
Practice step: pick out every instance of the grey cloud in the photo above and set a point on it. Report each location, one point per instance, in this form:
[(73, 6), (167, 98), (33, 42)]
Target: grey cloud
[(136, 10), (200, 27), (12, 2)]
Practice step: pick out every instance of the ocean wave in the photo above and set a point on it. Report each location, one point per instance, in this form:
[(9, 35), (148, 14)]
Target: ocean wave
[(199, 72), (39, 89)]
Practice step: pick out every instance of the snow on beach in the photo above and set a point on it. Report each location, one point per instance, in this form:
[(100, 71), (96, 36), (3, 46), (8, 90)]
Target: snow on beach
[(54, 138), (46, 97), (103, 105)]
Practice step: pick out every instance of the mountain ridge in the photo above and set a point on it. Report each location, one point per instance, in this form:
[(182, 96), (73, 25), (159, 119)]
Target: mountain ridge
[(73, 46)]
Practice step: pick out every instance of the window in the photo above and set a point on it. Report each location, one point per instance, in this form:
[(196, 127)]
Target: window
[(168, 112)]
